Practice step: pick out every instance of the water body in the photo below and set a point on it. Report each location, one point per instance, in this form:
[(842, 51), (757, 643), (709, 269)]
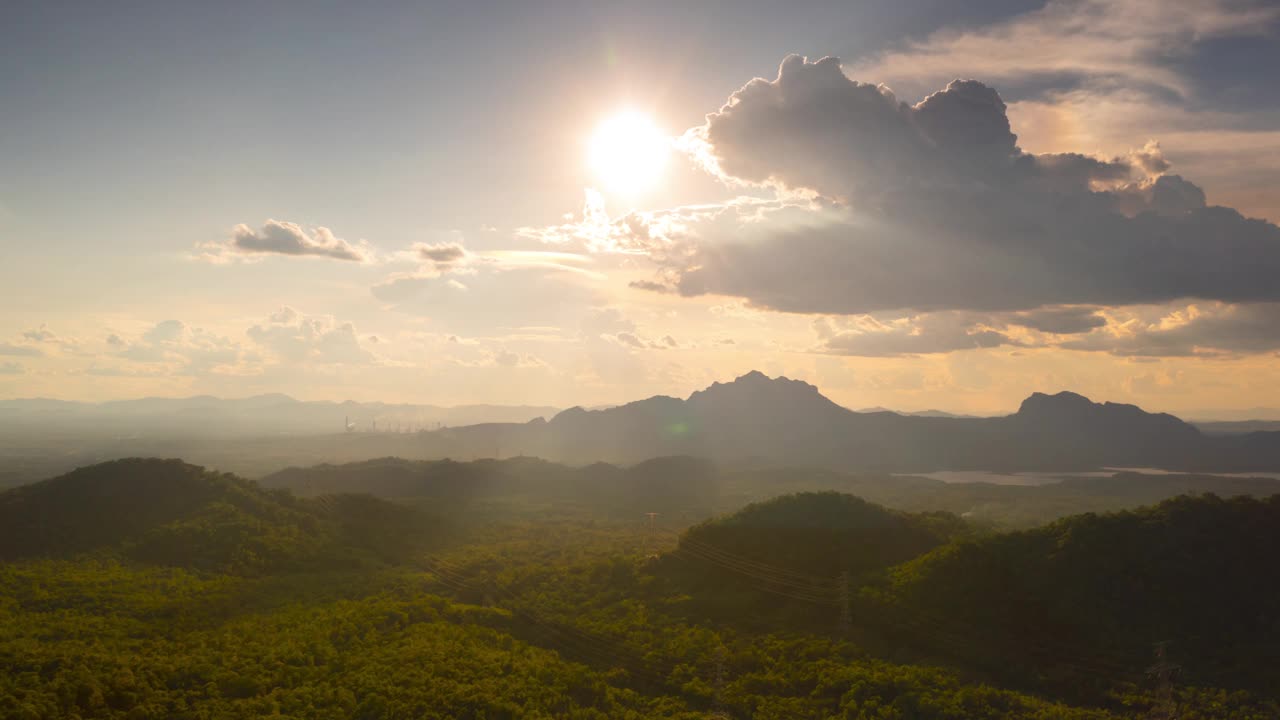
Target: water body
[(1004, 478), (1050, 478), (1158, 471)]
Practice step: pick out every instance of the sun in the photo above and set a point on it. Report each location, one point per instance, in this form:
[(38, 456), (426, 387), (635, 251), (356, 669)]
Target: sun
[(628, 153)]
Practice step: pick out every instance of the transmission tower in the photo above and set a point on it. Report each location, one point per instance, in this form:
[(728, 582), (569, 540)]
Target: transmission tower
[(717, 700), (1163, 673), (846, 611), (649, 549)]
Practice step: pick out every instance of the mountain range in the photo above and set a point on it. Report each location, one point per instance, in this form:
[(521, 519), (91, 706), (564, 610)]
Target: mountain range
[(781, 421), (752, 421)]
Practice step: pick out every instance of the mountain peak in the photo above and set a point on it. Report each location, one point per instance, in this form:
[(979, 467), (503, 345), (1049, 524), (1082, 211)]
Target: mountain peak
[(1064, 402), (758, 381), (756, 392)]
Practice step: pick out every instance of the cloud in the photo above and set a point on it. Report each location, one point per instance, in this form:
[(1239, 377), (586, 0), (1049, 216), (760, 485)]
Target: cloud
[(607, 320), (182, 349), (11, 368), (1207, 330), (504, 291), (1139, 331), (920, 335), (631, 339), (277, 237), (166, 331), (41, 334), (113, 371), (1104, 75), (1069, 43), (499, 357), (637, 341), (297, 339), (934, 207), (651, 286), (20, 350), (1060, 321), (660, 234), (443, 256)]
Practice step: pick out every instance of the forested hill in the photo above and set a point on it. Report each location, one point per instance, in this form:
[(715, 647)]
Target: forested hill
[(1073, 609), (748, 566), (823, 534), (171, 513), (781, 421), (1099, 591)]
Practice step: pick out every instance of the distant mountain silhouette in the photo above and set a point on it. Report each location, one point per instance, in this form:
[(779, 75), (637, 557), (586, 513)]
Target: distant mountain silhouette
[(270, 414), (917, 413), (752, 421), (758, 419)]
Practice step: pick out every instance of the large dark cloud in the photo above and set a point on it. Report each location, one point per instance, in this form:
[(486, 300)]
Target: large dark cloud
[(934, 207)]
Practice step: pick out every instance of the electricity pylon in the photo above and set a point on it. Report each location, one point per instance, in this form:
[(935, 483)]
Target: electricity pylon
[(1163, 672), (846, 611)]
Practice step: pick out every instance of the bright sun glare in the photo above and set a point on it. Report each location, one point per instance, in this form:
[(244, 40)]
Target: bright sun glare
[(628, 153)]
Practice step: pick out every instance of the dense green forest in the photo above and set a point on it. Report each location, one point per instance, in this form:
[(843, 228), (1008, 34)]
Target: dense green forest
[(686, 489), (157, 589)]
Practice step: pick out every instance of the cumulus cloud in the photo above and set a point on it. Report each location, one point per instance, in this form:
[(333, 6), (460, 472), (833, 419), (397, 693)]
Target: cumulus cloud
[(297, 338), (177, 347), (934, 207), (277, 237), (1106, 74)]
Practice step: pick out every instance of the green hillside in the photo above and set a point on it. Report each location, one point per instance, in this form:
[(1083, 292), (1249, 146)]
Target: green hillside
[(162, 590), (1098, 592), (770, 563), (168, 512)]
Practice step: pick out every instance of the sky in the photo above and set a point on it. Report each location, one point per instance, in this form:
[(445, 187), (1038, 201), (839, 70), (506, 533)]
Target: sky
[(910, 204)]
